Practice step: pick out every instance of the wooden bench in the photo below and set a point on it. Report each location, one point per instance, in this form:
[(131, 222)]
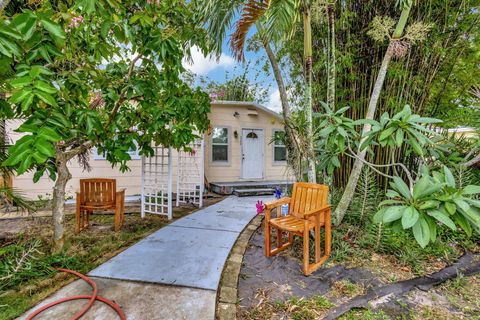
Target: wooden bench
[(308, 209), (99, 195)]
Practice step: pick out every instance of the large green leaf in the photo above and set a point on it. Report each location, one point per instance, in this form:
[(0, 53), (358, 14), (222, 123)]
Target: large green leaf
[(429, 204), (421, 232), (54, 29), (402, 187), (21, 82), (422, 187), (15, 158), (463, 223), (399, 137), (449, 178), (471, 189), (45, 147), (378, 217), (393, 213), (49, 134), (386, 133), (450, 207), (18, 96), (25, 164), (443, 218), (426, 120), (47, 98), (415, 146), (410, 217), (42, 85)]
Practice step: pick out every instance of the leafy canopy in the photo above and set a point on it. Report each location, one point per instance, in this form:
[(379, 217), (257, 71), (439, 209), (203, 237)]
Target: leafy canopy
[(99, 73)]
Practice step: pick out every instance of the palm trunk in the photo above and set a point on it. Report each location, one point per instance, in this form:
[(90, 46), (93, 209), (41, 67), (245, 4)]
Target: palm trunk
[(286, 112), (58, 205), (331, 80), (372, 106), (307, 46)]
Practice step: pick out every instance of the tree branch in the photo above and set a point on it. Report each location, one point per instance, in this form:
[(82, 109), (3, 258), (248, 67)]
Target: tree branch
[(122, 98)]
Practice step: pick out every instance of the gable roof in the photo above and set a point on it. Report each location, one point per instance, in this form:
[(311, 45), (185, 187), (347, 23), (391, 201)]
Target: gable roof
[(247, 104)]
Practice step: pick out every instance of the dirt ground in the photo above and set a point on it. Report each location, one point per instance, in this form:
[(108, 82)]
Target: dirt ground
[(275, 288)]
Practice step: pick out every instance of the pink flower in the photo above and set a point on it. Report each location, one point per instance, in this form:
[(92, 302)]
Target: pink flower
[(75, 22)]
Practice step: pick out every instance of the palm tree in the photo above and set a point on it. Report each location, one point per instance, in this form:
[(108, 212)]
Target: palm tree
[(274, 19)]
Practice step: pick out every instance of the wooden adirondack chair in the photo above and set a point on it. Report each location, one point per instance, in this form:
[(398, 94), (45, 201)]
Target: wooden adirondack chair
[(99, 195), (308, 209)]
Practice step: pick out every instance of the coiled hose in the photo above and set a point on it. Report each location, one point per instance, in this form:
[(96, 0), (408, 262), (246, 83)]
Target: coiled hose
[(91, 300)]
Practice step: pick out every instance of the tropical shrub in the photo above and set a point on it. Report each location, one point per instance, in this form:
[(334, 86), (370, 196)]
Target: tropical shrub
[(435, 200)]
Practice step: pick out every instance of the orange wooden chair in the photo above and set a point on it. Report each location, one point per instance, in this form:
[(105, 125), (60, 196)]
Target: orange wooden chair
[(99, 194), (307, 209)]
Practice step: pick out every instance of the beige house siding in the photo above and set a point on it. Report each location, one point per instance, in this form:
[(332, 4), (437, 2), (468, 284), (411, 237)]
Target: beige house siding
[(100, 168), (221, 115)]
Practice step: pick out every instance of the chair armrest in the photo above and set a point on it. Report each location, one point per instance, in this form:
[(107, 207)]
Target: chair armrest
[(316, 211), (276, 203), (120, 196)]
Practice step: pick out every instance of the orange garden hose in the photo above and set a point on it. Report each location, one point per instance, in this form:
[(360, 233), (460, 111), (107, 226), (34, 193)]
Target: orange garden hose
[(90, 303)]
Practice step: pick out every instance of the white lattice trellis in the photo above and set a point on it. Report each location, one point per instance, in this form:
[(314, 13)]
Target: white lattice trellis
[(157, 182), (190, 180)]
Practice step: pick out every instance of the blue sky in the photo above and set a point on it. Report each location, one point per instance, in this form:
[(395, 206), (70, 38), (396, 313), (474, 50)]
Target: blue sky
[(211, 68)]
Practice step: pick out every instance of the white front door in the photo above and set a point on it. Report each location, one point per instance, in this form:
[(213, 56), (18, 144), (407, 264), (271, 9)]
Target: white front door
[(252, 153)]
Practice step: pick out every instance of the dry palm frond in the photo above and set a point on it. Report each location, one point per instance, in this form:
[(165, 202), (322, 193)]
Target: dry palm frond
[(476, 91), (252, 11)]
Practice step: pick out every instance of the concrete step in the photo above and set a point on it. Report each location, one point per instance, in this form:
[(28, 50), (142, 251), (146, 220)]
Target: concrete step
[(228, 187), (253, 192)]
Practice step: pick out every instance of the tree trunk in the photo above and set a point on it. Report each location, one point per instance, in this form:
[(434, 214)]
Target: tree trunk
[(307, 46), (332, 65), (372, 106), (58, 205), (472, 162), (286, 112)]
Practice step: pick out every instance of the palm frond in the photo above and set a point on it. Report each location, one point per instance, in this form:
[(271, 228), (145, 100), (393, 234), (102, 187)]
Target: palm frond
[(218, 16), (252, 11), (10, 196), (281, 19)]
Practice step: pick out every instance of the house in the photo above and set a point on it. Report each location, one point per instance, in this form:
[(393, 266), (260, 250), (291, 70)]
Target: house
[(239, 149)]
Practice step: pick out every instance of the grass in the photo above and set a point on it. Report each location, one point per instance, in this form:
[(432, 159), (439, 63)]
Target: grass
[(27, 268), (295, 308)]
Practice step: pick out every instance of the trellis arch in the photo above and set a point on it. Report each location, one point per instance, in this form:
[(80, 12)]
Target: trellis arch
[(190, 177), (157, 182), (157, 179)]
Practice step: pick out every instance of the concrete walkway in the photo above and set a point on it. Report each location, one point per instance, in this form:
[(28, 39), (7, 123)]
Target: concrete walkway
[(173, 273)]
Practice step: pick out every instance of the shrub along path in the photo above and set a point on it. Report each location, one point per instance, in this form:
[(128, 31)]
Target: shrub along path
[(171, 274)]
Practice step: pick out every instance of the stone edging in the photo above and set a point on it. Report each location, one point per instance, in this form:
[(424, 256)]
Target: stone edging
[(226, 308)]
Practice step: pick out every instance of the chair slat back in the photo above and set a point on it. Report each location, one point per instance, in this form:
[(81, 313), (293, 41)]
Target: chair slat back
[(307, 197), (99, 191)]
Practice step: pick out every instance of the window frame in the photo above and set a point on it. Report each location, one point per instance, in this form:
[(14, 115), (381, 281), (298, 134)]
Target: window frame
[(274, 145), (228, 144)]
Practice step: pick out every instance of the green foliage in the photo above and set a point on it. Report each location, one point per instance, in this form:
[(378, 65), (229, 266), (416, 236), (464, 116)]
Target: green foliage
[(435, 201), (238, 88), (403, 127), (99, 73), (332, 135)]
